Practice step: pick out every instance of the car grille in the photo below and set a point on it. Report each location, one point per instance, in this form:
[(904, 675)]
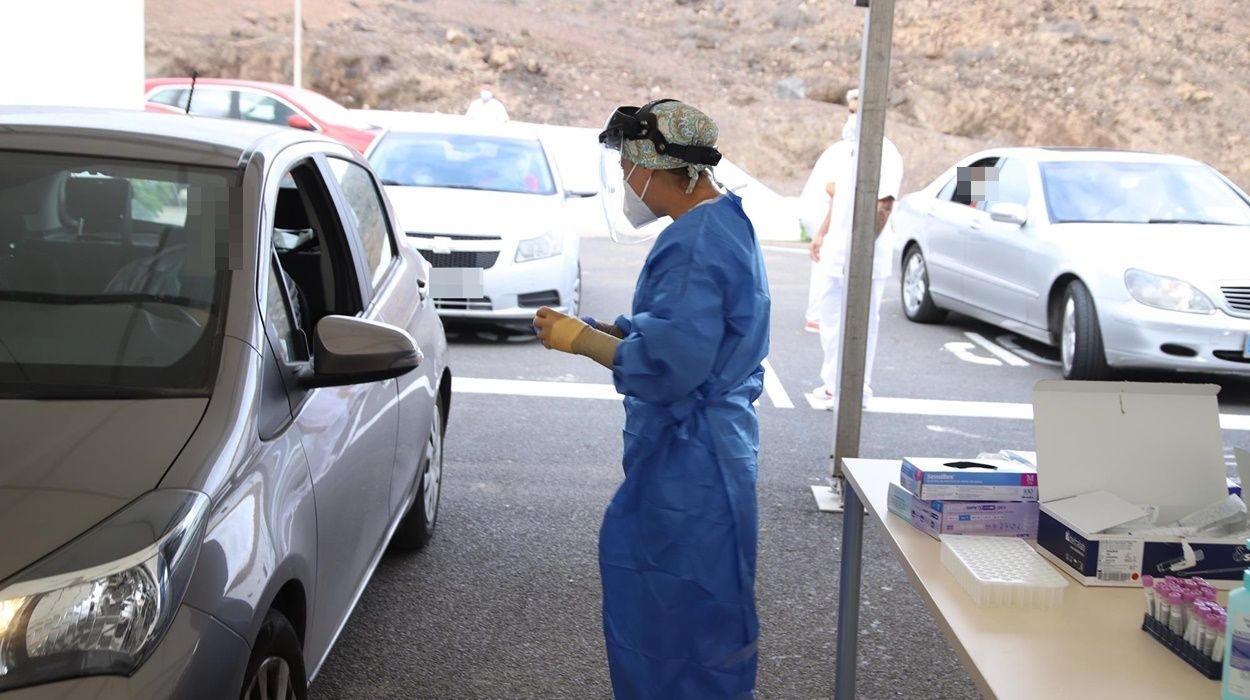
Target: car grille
[(1238, 297), (482, 259), (536, 299), (479, 304), (459, 258)]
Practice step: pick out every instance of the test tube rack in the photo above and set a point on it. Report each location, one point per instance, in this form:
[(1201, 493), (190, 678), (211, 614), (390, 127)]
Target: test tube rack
[(1177, 644)]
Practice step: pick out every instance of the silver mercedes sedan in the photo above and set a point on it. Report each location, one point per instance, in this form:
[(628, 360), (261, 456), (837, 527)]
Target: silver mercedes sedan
[(1122, 260), (223, 392)]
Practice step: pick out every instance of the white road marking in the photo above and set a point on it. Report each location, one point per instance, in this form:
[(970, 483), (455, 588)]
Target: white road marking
[(877, 404), (1011, 343), (774, 388), (524, 387), (995, 350), (964, 352), (954, 431)]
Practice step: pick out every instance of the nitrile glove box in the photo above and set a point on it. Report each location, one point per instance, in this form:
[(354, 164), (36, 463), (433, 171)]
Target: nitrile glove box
[(936, 518), (1153, 446), (935, 479)]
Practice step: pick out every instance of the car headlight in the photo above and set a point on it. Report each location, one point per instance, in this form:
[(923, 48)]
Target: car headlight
[(544, 246), (1166, 293), (100, 604)]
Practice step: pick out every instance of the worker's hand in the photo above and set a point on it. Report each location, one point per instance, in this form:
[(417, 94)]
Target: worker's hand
[(556, 330), (817, 242)]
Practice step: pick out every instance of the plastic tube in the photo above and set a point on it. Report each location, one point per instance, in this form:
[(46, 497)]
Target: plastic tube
[(1148, 585)]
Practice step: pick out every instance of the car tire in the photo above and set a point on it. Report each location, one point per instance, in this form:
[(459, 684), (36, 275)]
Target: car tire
[(1080, 339), (275, 670), (417, 528), (918, 304)]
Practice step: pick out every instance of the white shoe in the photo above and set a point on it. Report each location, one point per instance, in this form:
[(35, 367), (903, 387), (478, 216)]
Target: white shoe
[(822, 399)]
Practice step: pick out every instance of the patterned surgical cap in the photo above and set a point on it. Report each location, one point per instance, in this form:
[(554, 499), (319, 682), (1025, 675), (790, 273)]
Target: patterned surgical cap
[(681, 124)]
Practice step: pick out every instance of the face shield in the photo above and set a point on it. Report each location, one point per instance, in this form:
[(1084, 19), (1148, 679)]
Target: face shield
[(635, 124)]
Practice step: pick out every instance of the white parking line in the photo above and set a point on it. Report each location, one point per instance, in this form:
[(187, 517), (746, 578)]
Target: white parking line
[(774, 388), (995, 350), (778, 249), (525, 387), (877, 404)]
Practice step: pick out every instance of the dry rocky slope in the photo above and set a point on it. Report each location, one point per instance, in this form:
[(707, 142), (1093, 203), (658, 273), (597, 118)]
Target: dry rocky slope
[(1161, 75)]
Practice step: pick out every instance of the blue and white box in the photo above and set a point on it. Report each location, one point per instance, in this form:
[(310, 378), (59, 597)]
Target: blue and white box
[(935, 479), (1155, 446)]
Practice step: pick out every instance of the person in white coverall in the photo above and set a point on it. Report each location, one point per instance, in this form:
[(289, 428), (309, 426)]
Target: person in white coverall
[(815, 197), (829, 252), (487, 107)]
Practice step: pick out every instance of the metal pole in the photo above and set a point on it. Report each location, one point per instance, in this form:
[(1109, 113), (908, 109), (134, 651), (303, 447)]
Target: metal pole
[(297, 40), (873, 85), (848, 597)]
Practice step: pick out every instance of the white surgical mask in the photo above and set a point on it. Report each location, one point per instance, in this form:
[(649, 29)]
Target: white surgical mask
[(486, 95), (636, 211)]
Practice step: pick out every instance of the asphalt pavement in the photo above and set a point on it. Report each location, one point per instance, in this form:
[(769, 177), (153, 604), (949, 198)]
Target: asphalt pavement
[(504, 602)]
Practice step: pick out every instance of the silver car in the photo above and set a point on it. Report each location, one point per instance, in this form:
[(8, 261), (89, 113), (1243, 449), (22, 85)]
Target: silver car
[(1122, 260), (223, 391)]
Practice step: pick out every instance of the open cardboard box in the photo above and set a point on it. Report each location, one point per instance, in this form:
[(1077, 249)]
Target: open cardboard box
[(1152, 445)]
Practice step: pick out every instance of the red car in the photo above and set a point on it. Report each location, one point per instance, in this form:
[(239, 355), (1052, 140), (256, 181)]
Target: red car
[(262, 102)]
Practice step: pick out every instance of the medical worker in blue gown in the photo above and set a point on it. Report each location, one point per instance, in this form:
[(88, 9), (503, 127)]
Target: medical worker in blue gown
[(677, 544)]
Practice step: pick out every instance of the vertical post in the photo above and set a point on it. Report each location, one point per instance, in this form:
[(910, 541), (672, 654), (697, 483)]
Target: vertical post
[(848, 597), (874, 83), (297, 40)]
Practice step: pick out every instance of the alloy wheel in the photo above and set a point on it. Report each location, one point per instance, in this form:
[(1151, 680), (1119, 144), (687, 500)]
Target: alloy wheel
[(432, 479), (914, 286), (272, 681), (1067, 341)]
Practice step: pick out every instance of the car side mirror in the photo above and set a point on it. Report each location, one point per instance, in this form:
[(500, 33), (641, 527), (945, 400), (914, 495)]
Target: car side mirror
[(1009, 213), (299, 122), (351, 350)]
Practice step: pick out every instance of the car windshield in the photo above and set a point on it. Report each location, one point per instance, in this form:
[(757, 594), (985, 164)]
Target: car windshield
[(112, 276), (463, 162), (1139, 193)]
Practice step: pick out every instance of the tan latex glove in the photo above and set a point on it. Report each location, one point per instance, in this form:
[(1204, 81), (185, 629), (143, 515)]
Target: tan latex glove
[(558, 331)]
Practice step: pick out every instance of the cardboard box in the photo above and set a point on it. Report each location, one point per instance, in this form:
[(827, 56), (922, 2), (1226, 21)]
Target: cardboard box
[(1142, 446), (936, 518), (968, 479)]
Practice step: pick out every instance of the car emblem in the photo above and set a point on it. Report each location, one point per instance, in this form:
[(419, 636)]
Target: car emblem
[(441, 245)]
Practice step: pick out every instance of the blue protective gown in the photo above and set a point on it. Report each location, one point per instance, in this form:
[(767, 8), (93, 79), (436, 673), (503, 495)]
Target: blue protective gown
[(677, 545)]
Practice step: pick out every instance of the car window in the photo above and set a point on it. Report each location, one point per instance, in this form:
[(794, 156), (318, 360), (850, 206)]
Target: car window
[(368, 215), (292, 345), (262, 108), (175, 97), (209, 101), (1013, 183), (92, 306), (463, 161), (158, 202), (973, 181), (1136, 192), (947, 190)]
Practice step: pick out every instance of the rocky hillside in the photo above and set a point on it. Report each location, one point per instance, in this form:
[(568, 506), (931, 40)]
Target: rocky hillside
[(1165, 75)]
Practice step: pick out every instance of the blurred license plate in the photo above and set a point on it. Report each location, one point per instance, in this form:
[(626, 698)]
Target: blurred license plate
[(456, 283)]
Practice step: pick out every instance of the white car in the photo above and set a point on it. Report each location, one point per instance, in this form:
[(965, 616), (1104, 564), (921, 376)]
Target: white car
[(1122, 260), (478, 196)]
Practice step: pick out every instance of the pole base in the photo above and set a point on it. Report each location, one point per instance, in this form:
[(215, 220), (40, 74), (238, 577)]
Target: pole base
[(829, 499)]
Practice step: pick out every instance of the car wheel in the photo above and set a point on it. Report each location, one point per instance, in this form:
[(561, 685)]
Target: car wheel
[(918, 305), (275, 670), (575, 301), (1080, 340), (417, 528)]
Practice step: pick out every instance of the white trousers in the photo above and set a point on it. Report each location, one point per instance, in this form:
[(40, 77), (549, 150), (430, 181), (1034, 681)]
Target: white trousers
[(814, 287), (832, 302)]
